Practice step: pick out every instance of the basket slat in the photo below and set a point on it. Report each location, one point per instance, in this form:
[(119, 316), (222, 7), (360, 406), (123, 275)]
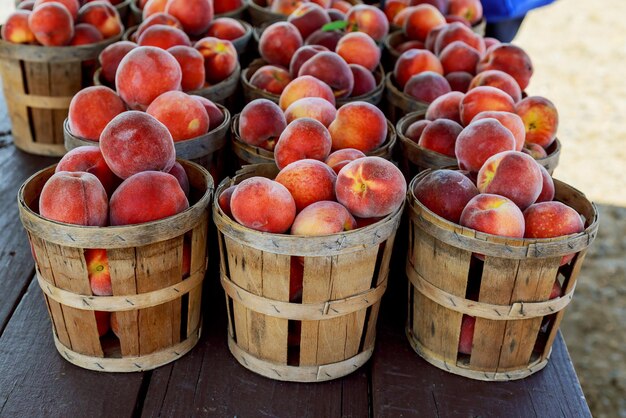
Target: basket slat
[(122, 265), (198, 264), (67, 77)]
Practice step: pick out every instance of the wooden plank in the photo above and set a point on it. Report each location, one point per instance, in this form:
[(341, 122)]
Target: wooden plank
[(13, 82), (239, 277), (199, 236), (273, 339), (38, 82), (122, 267), (66, 81)]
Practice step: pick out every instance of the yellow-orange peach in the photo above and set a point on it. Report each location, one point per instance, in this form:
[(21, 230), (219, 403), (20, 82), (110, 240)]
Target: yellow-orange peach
[(405, 46), (445, 193), (421, 20), (271, 78), (338, 159), (480, 140), (183, 116), (541, 120), (103, 15), (85, 34), (279, 42), (152, 7), (191, 64), (110, 59), (311, 107), (285, 7), (159, 18), (220, 58), (510, 121), (511, 59), (163, 36), (90, 160), (446, 106), (415, 61), (16, 29), (194, 15), (333, 70), (91, 109), (303, 138), (358, 125), (181, 175), (323, 218), (440, 136), (308, 181), (51, 24), (260, 123), (393, 7), (98, 271), (359, 48), (368, 19), (305, 86), (483, 98), (471, 10), (493, 214)]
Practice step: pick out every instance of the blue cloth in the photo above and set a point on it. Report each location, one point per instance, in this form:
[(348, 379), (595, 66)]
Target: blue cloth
[(498, 10)]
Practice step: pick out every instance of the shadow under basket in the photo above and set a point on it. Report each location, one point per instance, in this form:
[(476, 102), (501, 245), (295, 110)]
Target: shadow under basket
[(302, 309), (507, 291), (156, 302)]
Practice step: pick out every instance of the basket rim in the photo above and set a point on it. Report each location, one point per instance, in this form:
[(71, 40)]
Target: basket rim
[(231, 79)]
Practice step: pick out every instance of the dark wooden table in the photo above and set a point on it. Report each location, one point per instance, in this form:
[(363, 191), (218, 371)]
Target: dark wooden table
[(35, 381)]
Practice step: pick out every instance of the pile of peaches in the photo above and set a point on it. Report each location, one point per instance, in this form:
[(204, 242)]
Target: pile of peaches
[(62, 22), (149, 7), (400, 13)]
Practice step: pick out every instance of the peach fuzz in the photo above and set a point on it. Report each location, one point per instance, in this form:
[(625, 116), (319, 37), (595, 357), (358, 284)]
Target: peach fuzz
[(541, 120), (308, 18), (110, 59), (311, 107), (303, 138), (72, 6), (415, 61), (301, 55), (183, 116), (135, 141), (510, 121), (459, 81), (51, 24), (323, 218), (278, 42), (157, 19), (338, 159), (152, 7), (98, 271), (91, 109), (103, 321), (271, 78), (511, 174), (191, 64), (364, 80), (458, 56), (445, 193), (223, 6), (547, 186), (224, 200), (308, 181), (500, 80), (358, 125), (480, 140), (16, 29), (163, 36), (327, 39), (458, 32), (414, 131), (511, 59), (103, 16), (75, 198), (85, 34), (305, 86), (427, 86), (145, 73), (181, 175), (480, 99), (470, 10), (333, 70), (285, 7), (194, 15), (147, 196), (493, 214), (220, 58), (534, 150), (370, 187), (429, 42), (368, 19), (421, 20), (446, 106), (89, 159), (263, 205), (261, 122), (216, 117), (335, 15), (440, 136), (359, 48), (226, 28)]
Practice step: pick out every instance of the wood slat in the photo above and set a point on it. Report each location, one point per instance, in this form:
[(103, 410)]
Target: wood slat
[(122, 267), (38, 80), (67, 79), (13, 83), (198, 262), (239, 277)]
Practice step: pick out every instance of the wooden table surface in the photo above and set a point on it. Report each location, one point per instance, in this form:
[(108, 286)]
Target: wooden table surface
[(36, 381)]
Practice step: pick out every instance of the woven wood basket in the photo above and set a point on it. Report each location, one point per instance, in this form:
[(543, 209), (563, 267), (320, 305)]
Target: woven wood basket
[(331, 331), (515, 322), (399, 103), (390, 53), (414, 158), (239, 13), (478, 28), (39, 83), (158, 311)]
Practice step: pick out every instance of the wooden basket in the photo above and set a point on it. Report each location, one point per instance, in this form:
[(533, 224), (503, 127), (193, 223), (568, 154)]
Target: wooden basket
[(39, 83), (414, 158), (260, 13), (249, 154), (390, 53), (224, 92), (344, 278), (478, 28), (399, 103), (239, 13), (158, 311), (136, 14), (515, 322)]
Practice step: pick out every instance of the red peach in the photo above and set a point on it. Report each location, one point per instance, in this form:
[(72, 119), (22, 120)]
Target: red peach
[(359, 48), (89, 159), (311, 107), (159, 18), (194, 15), (226, 28), (431, 38), (458, 32), (163, 36), (224, 200), (323, 218), (305, 86), (547, 187), (224, 6), (271, 78), (72, 6), (16, 29), (493, 214), (152, 7), (284, 7), (427, 86), (471, 10), (414, 131), (421, 20), (181, 175), (308, 181), (480, 99), (98, 271), (364, 81), (216, 117), (191, 64), (103, 16), (500, 80), (111, 56), (511, 59), (302, 55), (303, 138), (338, 159), (459, 56), (466, 337), (308, 18), (415, 61), (51, 24), (541, 120), (327, 39), (510, 121), (183, 116), (91, 109), (393, 7), (459, 81), (445, 193), (261, 123), (330, 68), (358, 125), (446, 106), (534, 150), (440, 136), (279, 42), (85, 34), (220, 58), (368, 19), (480, 140)]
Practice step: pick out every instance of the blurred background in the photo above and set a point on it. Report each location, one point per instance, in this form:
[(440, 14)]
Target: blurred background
[(578, 48)]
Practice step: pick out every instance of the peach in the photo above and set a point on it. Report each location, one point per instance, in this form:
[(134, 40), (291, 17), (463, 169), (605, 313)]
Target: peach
[(111, 56), (16, 29), (445, 193), (91, 109), (489, 41), (216, 117), (364, 81), (480, 99), (308, 181), (415, 61), (226, 28), (103, 322), (330, 68), (359, 48), (446, 106), (510, 121), (103, 16), (338, 159), (459, 56), (440, 136), (223, 6), (145, 73), (431, 38), (466, 336), (427, 86), (261, 122), (323, 218), (341, 5), (163, 36), (393, 7), (136, 141), (90, 160), (75, 198), (220, 58), (152, 7), (471, 10), (305, 86), (511, 174), (370, 187), (159, 18), (311, 107), (327, 39), (181, 175), (308, 18), (368, 19), (405, 46), (285, 7), (72, 6), (301, 55), (191, 63), (263, 204), (279, 42), (534, 150), (324, 4), (547, 186), (540, 118), (421, 20), (493, 214), (336, 15), (183, 116), (194, 15), (271, 78), (303, 138), (459, 80), (441, 5), (401, 17), (509, 58), (147, 196), (85, 34), (224, 200), (414, 131), (480, 140), (51, 24), (500, 80), (458, 32), (358, 125), (98, 271)]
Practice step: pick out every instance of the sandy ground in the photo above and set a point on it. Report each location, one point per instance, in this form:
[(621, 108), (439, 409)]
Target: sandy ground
[(579, 52)]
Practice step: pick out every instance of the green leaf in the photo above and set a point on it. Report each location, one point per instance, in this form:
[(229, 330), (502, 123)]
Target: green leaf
[(336, 25)]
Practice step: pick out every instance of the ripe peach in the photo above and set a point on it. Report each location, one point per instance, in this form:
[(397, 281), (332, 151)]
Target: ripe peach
[(308, 181), (421, 20), (311, 107), (480, 99), (145, 73), (500, 80), (305, 86), (459, 80), (271, 78), (427, 86), (308, 18), (364, 81), (135, 141), (338, 159), (103, 15), (458, 32), (493, 214), (393, 7), (98, 271), (358, 125), (183, 116), (446, 106), (459, 56), (509, 58), (278, 42), (147, 196), (285, 7), (471, 10), (480, 140), (220, 58), (370, 187), (152, 7), (510, 121), (263, 204), (534, 150), (431, 38), (540, 118), (224, 200), (330, 68), (163, 36), (547, 187), (223, 6), (445, 193), (301, 55), (260, 123), (440, 136), (90, 160), (414, 131), (511, 174), (216, 117), (159, 18), (111, 56), (327, 39), (323, 218), (405, 46), (303, 138), (85, 34), (336, 15), (466, 337), (103, 322), (415, 61), (226, 28), (72, 6), (194, 15), (359, 48), (191, 64), (181, 175), (51, 24), (368, 19), (16, 29), (75, 198), (91, 109)]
